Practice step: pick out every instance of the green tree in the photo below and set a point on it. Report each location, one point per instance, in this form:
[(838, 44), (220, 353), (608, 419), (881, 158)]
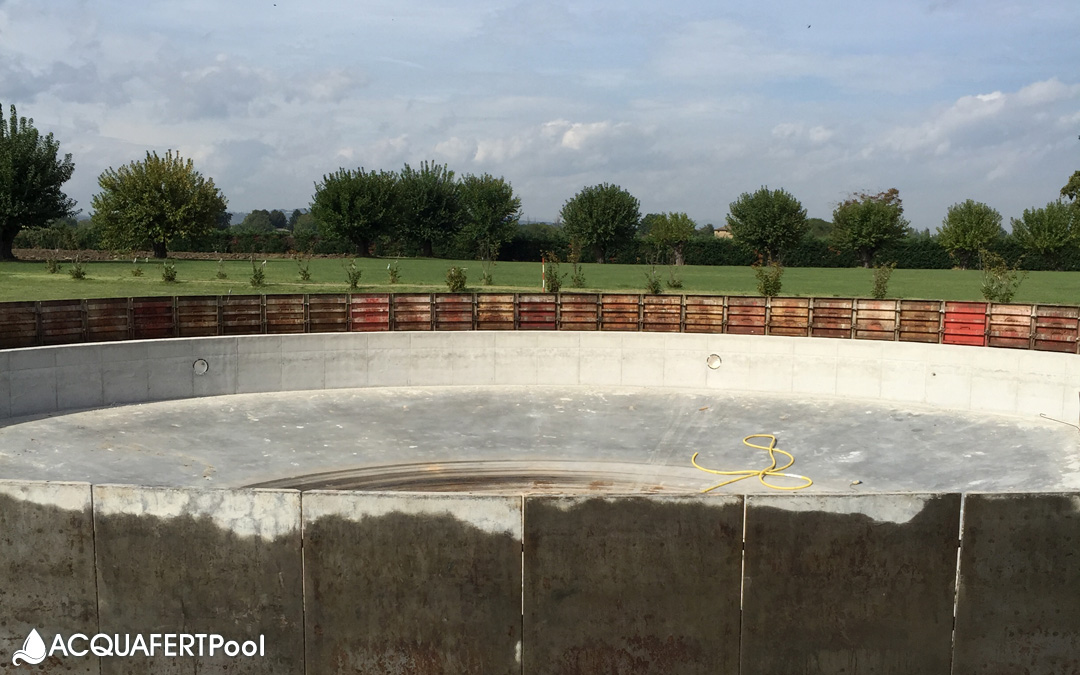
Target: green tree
[(768, 221), (669, 233), (357, 205), (818, 228), (1048, 231), (293, 218), (257, 221), (31, 174), (431, 205), (277, 219), (490, 214), (1071, 190), (156, 201), (865, 223), (968, 228), (600, 217)]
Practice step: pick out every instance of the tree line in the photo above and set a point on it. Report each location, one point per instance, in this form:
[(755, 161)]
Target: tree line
[(160, 202)]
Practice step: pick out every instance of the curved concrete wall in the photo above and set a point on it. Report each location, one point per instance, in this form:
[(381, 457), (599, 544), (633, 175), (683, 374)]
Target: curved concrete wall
[(44, 380)]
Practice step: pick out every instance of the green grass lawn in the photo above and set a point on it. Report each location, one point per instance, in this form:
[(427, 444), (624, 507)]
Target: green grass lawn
[(31, 280)]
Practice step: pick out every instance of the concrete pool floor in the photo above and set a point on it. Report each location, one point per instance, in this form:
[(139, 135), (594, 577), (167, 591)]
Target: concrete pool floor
[(514, 439)]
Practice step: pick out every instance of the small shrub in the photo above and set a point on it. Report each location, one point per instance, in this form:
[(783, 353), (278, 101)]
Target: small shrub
[(653, 285), (1000, 282), (353, 274), (393, 272), (674, 281), (553, 279), (577, 275), (136, 271), (77, 271), (303, 266), (487, 274), (52, 263), (221, 273), (168, 272), (768, 277), (455, 279), (882, 274), (258, 274)]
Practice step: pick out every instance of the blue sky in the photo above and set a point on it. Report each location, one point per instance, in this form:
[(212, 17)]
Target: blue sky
[(685, 104)]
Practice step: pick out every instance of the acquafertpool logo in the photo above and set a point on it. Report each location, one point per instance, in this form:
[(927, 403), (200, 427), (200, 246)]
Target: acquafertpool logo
[(120, 645)]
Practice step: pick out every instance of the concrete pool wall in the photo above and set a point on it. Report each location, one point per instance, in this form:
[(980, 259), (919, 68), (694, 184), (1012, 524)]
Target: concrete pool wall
[(46, 380)]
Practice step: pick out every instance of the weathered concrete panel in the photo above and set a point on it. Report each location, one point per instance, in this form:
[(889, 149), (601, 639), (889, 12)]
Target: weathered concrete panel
[(849, 584), (412, 583), (201, 561), (46, 570), (632, 585), (1018, 609)]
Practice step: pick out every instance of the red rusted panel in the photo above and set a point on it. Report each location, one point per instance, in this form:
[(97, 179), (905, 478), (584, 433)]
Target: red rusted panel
[(453, 311), (285, 314), (495, 311), (1056, 328), (537, 311), (107, 319), (704, 314), (152, 318), (18, 324), (197, 316), (412, 311), (789, 316), (579, 311), (1010, 326), (369, 312), (241, 315), (920, 321), (831, 317), (661, 314), (61, 322), (620, 312), (328, 313), (965, 323)]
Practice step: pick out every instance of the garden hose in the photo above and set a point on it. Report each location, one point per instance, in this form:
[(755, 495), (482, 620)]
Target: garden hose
[(771, 470)]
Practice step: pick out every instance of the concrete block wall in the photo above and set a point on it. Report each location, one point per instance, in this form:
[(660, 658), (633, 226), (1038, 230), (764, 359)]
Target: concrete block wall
[(44, 380), (341, 582)]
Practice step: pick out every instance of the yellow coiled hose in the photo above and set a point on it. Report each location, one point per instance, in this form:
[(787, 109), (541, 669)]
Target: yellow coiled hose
[(771, 470)]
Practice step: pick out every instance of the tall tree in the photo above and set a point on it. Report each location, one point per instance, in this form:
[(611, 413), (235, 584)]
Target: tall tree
[(257, 221), (31, 174), (431, 205), (490, 212), (867, 222), (154, 202), (1071, 191), (669, 233), (968, 228), (600, 217), (768, 221), (357, 205), (1048, 231), (278, 221), (293, 218)]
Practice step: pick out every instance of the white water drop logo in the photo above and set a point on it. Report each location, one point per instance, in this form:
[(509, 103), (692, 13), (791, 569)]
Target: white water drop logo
[(32, 652)]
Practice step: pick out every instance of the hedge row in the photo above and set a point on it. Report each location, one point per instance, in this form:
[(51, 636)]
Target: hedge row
[(534, 241)]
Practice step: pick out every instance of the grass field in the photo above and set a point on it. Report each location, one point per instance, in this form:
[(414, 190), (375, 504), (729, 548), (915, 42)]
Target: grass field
[(31, 280)]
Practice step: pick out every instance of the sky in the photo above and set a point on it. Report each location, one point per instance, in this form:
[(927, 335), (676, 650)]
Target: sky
[(686, 104)]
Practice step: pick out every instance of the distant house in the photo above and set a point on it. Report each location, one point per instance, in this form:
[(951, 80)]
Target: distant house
[(722, 232)]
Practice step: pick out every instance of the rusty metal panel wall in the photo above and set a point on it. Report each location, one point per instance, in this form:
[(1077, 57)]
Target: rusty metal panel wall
[(579, 311), (704, 314), (285, 314), (1009, 326), (197, 316), (18, 324), (328, 313), (920, 321), (831, 317), (536, 311), (965, 323), (1056, 328), (849, 584), (1018, 609), (661, 313), (454, 311), (646, 585), (107, 320), (241, 315), (412, 311), (61, 322), (412, 583), (875, 319), (789, 316), (745, 316), (369, 312), (495, 311), (620, 311)]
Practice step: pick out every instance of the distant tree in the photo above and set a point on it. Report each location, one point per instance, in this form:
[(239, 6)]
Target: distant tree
[(156, 201), (490, 213), (669, 234), (257, 221), (1048, 231), (646, 224), (293, 218), (768, 221), (357, 205), (430, 205), (224, 221), (818, 228), (278, 220), (1071, 191), (600, 217), (31, 174), (867, 222), (968, 228)]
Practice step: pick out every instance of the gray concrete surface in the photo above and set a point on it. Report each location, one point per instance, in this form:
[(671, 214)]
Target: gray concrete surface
[(201, 561), (632, 585), (400, 584), (46, 569), (1019, 603), (855, 584), (517, 439)]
